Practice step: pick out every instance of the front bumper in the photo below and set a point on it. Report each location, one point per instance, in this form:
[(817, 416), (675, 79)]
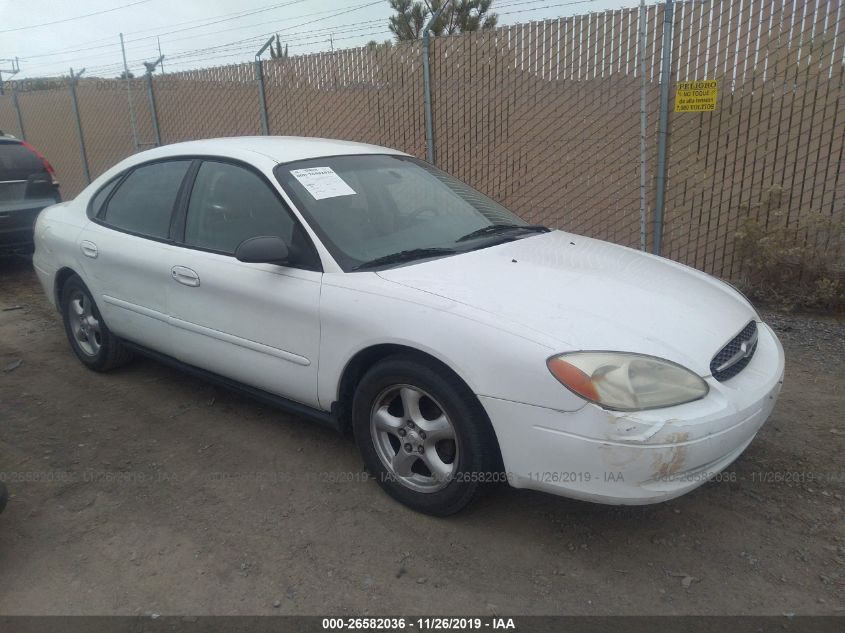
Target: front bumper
[(642, 457)]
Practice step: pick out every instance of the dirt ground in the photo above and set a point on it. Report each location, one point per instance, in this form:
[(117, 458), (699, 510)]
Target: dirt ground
[(147, 491)]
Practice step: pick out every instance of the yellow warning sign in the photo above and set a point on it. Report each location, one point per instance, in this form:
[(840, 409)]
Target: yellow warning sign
[(696, 96)]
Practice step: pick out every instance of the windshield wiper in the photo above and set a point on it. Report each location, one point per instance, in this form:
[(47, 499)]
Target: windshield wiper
[(405, 256), (494, 229)]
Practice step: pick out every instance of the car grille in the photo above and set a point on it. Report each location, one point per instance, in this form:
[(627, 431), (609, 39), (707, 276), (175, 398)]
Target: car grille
[(734, 356)]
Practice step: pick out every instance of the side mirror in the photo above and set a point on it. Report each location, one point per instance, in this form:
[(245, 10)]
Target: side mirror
[(264, 249)]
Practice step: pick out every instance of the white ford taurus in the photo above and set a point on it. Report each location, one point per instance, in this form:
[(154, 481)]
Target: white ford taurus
[(364, 288)]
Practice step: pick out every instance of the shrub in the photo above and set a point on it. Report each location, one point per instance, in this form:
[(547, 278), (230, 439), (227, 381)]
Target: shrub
[(791, 264)]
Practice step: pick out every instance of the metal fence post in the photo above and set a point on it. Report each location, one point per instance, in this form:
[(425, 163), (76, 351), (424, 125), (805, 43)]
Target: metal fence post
[(643, 127), (663, 126), (126, 73), (262, 97), (150, 66), (17, 106), (74, 79), (429, 124)]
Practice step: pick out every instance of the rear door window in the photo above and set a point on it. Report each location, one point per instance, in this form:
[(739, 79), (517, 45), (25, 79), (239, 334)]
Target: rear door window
[(144, 201)]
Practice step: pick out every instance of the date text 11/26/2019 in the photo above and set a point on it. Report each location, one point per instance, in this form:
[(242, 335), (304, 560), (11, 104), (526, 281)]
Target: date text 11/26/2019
[(420, 623)]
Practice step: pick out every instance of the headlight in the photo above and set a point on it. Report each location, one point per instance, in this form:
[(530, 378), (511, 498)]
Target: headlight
[(625, 381)]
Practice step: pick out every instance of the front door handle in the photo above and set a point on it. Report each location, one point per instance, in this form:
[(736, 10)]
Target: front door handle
[(185, 276), (89, 249)]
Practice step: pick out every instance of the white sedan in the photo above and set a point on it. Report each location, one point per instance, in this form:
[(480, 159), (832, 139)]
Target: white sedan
[(366, 289)]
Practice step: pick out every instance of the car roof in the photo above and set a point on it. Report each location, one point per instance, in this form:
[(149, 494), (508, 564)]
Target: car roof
[(281, 149)]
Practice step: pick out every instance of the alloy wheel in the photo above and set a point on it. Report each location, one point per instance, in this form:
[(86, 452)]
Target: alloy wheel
[(84, 325), (414, 438)]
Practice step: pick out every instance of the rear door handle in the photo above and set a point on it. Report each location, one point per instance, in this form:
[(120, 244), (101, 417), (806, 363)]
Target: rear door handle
[(185, 276), (89, 249)]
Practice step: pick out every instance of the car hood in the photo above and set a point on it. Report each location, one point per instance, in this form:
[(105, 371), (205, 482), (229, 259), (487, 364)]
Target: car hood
[(578, 293)]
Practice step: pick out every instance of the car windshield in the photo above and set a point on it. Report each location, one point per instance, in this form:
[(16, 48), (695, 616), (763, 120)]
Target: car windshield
[(375, 210)]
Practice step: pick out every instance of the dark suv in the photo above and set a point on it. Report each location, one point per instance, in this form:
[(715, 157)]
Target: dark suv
[(27, 185)]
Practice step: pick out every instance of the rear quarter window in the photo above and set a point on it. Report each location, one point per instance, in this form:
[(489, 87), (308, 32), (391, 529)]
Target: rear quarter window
[(14, 156), (99, 198)]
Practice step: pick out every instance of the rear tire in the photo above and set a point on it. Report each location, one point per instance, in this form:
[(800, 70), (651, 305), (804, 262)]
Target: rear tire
[(89, 336), (423, 436)]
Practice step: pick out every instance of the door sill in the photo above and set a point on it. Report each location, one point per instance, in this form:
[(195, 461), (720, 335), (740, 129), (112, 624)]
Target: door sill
[(291, 406)]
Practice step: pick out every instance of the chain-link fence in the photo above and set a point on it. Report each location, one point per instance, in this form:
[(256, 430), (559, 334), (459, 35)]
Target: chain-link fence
[(370, 94), (207, 103), (772, 151), (545, 117)]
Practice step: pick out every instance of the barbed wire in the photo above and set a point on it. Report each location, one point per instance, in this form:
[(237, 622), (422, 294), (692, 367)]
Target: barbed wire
[(211, 53), (334, 13), (137, 59)]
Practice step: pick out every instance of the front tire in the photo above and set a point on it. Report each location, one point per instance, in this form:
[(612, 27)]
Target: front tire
[(91, 340), (423, 435)]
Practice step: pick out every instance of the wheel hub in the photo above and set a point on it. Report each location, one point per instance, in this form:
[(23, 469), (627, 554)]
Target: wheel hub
[(413, 439)]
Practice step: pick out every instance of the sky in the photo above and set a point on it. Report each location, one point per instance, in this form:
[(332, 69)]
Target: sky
[(201, 33)]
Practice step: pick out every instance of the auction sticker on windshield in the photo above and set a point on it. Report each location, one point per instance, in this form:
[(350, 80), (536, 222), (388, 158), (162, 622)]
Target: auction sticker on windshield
[(322, 182)]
